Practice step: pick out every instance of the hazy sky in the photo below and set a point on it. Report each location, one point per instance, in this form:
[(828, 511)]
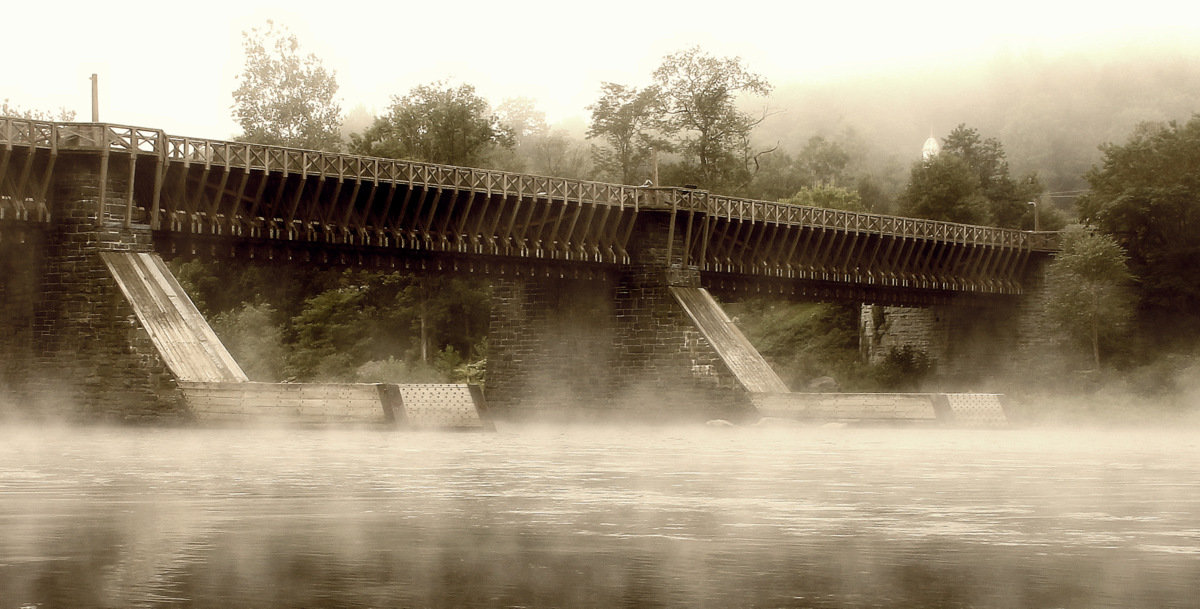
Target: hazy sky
[(173, 65)]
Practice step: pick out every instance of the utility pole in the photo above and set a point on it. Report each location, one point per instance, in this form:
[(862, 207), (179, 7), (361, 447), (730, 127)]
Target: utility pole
[(95, 99)]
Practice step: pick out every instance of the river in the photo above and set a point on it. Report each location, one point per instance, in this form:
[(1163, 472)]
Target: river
[(599, 517)]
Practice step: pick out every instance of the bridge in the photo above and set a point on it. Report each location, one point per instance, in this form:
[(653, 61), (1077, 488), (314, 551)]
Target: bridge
[(68, 188)]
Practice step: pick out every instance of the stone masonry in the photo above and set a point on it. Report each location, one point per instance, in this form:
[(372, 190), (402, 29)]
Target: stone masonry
[(91, 358), (20, 274), (971, 344), (596, 349)]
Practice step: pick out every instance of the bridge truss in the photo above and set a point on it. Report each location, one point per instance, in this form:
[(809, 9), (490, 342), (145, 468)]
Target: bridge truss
[(190, 190)]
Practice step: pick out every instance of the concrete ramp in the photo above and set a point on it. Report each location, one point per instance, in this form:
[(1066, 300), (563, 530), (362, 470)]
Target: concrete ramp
[(743, 360), (184, 340)]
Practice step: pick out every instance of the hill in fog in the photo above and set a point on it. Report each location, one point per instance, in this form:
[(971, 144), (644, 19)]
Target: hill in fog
[(1050, 113)]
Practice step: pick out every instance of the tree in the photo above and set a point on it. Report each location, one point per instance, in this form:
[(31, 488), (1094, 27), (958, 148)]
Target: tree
[(830, 197), (62, 115), (283, 98), (822, 162), (436, 123), (946, 188), (1087, 289), (1146, 194), (624, 119), (521, 118), (557, 154), (699, 95), (969, 181), (329, 336), (253, 339)]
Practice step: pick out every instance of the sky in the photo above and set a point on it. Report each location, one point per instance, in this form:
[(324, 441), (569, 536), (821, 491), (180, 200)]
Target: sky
[(174, 65)]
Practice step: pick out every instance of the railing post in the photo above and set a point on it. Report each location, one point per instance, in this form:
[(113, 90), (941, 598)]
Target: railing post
[(104, 153)]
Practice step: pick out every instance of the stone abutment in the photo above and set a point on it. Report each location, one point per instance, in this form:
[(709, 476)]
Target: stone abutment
[(619, 347), (974, 345), (78, 351)]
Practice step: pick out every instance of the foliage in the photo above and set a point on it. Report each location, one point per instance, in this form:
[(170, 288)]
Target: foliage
[(625, 118), (903, 369), (823, 163), (392, 370), (521, 118), (436, 123), (328, 336), (691, 110), (220, 286), (1146, 194), (803, 341), (699, 93), (314, 323), (1087, 289), (557, 154), (819, 164), (969, 182), (944, 187), (830, 197), (284, 98), (62, 115), (873, 195), (253, 339)]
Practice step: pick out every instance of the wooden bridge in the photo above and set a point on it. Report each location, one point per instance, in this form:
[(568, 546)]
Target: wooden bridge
[(202, 196), (85, 301)]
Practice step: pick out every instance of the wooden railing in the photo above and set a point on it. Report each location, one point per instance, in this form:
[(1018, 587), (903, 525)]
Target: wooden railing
[(170, 149)]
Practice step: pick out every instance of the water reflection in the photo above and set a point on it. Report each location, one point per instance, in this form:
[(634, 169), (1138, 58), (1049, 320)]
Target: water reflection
[(533, 517)]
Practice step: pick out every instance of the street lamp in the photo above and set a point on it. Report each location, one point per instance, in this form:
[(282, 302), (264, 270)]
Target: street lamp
[(1037, 224)]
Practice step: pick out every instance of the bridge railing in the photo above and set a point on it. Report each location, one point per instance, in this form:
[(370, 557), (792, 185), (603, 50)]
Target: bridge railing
[(108, 138), (852, 221)]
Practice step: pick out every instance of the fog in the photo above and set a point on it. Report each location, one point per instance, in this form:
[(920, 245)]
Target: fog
[(1087, 501), (1050, 111), (598, 517)]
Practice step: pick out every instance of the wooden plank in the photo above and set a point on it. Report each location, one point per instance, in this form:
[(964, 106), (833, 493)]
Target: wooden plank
[(308, 403), (188, 346), (194, 321), (862, 407)]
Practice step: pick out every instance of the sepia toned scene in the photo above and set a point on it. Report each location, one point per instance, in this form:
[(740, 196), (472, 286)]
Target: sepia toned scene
[(471, 305)]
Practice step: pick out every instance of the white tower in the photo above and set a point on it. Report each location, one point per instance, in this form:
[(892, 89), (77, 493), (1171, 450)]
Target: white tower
[(931, 148)]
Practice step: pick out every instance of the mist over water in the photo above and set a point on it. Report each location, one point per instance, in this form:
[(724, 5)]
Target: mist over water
[(599, 517)]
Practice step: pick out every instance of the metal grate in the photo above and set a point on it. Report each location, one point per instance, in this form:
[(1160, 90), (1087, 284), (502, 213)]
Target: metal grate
[(437, 406), (983, 409)]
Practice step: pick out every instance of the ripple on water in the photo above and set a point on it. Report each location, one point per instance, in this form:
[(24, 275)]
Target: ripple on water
[(606, 517)]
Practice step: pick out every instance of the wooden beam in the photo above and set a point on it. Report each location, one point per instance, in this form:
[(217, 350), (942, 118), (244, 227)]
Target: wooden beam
[(19, 195), (40, 198), (103, 183), (460, 235), (129, 193)]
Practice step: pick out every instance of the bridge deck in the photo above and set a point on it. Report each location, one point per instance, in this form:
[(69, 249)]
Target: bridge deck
[(194, 188)]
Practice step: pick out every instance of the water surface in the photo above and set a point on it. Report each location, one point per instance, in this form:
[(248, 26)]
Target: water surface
[(615, 517)]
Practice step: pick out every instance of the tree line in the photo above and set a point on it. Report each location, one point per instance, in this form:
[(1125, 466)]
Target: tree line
[(1129, 265)]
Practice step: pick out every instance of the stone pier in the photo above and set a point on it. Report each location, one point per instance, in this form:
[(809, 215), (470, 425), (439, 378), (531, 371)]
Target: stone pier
[(86, 357), (971, 344), (622, 346)]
